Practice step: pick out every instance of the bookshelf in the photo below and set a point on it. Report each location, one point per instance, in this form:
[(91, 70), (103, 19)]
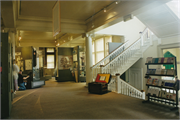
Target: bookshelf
[(161, 91)]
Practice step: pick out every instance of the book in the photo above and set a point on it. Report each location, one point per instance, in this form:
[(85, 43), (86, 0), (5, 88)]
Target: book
[(163, 72), (169, 60), (155, 92), (167, 95), (149, 91), (149, 81), (148, 71), (158, 71), (170, 72), (162, 83), (102, 78), (163, 94), (156, 60), (159, 60), (173, 97), (159, 82), (170, 95), (172, 60), (149, 60), (165, 59), (162, 60), (153, 60), (169, 83), (153, 71), (155, 81), (160, 93)]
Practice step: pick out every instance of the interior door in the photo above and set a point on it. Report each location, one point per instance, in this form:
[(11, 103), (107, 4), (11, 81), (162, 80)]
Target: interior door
[(135, 77)]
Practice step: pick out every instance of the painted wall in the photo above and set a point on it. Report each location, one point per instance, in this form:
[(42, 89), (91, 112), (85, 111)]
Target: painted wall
[(129, 29), (150, 52), (171, 40)]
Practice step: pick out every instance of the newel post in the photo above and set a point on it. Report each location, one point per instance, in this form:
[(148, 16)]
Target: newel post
[(117, 82), (143, 94)]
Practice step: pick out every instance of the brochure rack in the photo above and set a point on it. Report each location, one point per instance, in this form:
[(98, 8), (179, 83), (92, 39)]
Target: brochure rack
[(154, 72)]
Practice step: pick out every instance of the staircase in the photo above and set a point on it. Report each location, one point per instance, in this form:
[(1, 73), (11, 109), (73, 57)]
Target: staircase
[(123, 58)]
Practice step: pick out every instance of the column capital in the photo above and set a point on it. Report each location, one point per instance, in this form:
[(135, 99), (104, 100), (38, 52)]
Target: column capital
[(88, 35)]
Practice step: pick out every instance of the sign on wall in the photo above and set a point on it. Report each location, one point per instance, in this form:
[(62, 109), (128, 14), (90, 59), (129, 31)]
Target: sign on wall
[(65, 62), (28, 64)]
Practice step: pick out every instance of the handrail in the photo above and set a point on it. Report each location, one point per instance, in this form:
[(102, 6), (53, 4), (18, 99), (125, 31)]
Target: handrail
[(109, 54), (129, 46), (130, 85), (123, 51)]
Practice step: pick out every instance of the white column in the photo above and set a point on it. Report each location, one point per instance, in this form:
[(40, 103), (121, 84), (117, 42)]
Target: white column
[(89, 62)]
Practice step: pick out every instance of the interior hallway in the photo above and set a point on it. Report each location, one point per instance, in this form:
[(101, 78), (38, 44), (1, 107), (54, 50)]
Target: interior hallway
[(69, 100)]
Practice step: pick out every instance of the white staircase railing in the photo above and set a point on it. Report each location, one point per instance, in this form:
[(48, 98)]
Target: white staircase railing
[(96, 68), (116, 65), (123, 58), (120, 86)]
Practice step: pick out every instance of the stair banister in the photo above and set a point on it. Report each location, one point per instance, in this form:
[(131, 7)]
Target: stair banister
[(126, 43), (124, 51)]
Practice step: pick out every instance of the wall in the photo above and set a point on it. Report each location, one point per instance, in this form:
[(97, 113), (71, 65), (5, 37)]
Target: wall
[(118, 39), (65, 74), (150, 52), (129, 29), (170, 40), (26, 53)]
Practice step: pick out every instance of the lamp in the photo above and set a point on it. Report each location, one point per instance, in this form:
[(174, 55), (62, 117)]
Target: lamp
[(104, 9)]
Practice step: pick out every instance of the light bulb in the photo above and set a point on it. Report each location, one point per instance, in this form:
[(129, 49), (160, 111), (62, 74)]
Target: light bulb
[(116, 2), (104, 9), (19, 37)]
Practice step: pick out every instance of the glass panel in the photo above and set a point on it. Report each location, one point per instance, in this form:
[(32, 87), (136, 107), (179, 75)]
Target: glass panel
[(50, 61), (50, 50), (99, 45), (99, 56)]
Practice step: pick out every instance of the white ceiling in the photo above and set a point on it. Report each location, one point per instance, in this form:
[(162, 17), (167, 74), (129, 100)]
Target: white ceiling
[(162, 21)]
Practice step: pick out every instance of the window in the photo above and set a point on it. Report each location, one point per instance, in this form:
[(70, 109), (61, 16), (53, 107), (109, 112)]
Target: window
[(50, 61), (100, 48), (50, 57)]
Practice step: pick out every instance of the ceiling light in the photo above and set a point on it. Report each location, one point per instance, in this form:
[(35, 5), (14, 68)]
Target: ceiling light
[(104, 9), (55, 41), (116, 2), (19, 38)]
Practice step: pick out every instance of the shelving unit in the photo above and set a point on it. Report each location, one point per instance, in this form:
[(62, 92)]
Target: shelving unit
[(161, 99)]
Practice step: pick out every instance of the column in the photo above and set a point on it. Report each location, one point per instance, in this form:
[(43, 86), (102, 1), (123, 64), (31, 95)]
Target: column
[(89, 62)]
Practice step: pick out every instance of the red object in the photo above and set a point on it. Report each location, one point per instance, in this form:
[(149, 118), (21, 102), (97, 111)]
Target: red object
[(97, 79), (1, 69)]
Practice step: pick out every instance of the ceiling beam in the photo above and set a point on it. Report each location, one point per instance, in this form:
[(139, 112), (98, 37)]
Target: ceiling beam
[(7, 13)]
